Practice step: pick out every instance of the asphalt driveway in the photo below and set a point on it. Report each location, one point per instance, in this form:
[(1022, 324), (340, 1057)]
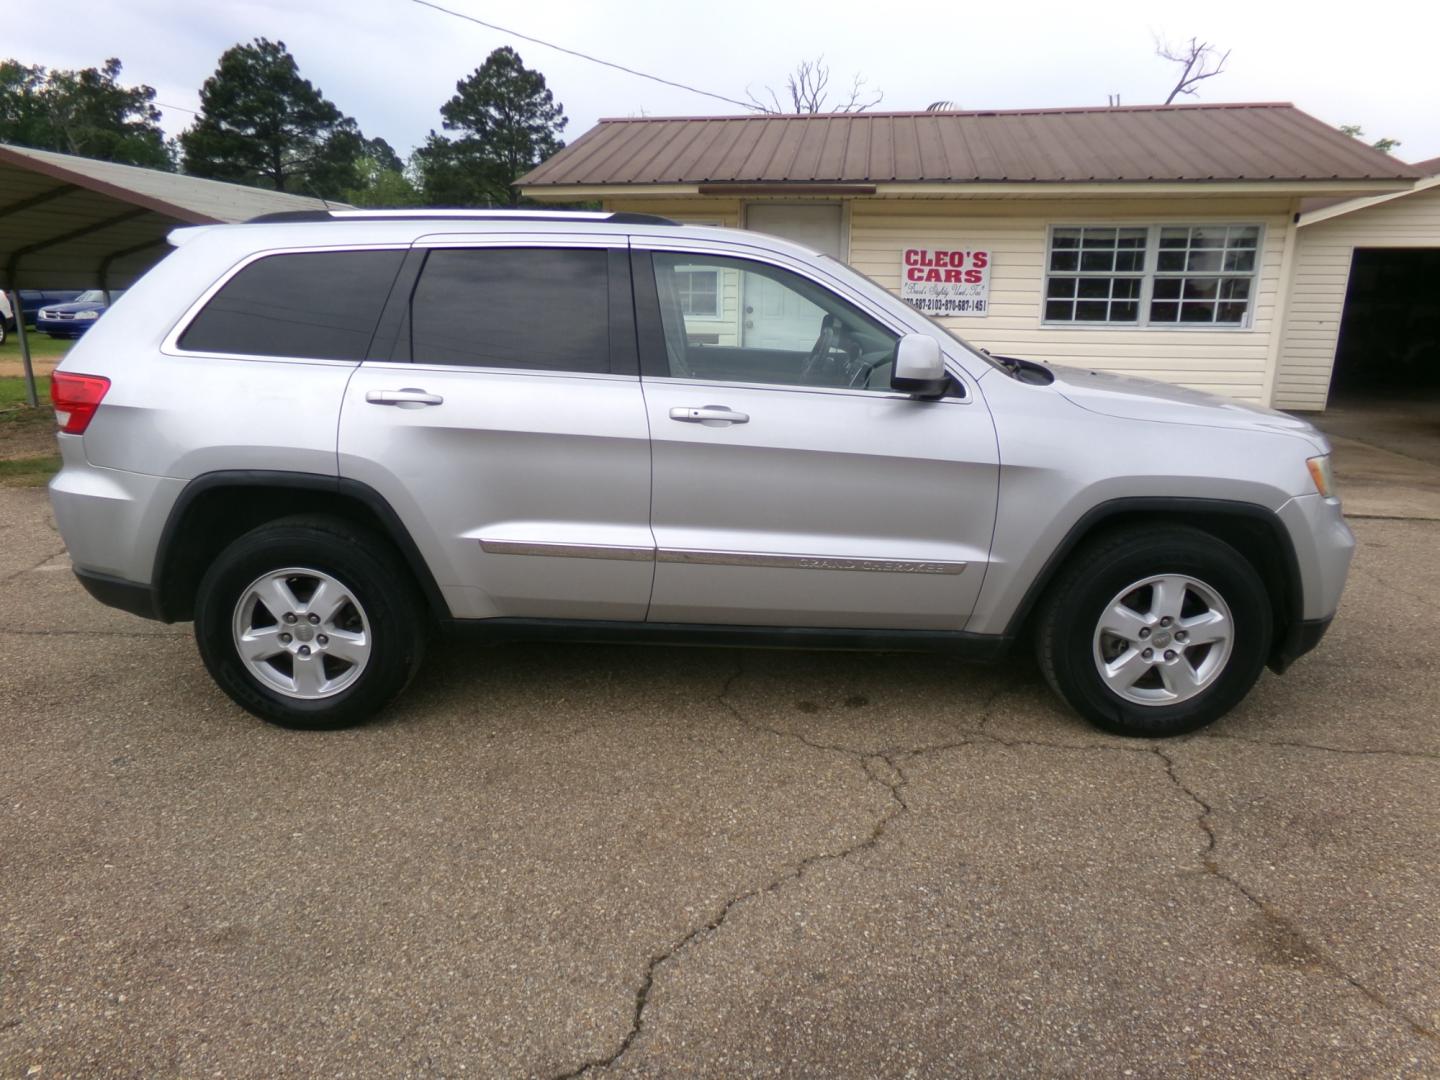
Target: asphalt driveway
[(691, 862)]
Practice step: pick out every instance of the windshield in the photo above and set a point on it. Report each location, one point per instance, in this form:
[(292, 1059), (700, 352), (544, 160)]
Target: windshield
[(847, 268), (90, 296)]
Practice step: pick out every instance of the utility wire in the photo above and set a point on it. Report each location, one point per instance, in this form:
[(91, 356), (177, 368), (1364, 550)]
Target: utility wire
[(749, 106)]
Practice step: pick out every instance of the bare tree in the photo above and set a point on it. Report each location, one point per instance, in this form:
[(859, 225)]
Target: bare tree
[(808, 87), (1199, 60)]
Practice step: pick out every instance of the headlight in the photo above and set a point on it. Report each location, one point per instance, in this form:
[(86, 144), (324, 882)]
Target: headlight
[(47, 315), (1322, 474), (87, 314)]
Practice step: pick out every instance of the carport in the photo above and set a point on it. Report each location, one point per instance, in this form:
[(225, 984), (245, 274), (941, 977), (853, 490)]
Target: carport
[(71, 222)]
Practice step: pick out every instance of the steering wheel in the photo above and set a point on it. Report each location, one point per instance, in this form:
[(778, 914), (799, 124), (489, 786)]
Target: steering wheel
[(820, 351), (860, 378)]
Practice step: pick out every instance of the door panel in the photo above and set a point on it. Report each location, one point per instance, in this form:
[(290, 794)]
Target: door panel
[(820, 509), (550, 472), (806, 504), (521, 463)]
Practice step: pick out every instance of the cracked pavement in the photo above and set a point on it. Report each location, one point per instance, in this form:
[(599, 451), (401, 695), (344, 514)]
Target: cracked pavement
[(565, 861)]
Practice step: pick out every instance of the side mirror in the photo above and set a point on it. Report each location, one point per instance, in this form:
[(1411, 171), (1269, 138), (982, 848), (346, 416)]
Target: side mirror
[(919, 368)]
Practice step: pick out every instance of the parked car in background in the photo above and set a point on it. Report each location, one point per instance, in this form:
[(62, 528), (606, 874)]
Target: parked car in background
[(32, 300), (74, 318)]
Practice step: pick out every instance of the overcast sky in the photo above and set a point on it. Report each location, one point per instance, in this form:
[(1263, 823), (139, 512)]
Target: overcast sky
[(391, 63)]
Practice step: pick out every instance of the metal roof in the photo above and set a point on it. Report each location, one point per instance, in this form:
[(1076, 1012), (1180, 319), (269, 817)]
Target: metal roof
[(1428, 167), (1260, 142), (68, 221)]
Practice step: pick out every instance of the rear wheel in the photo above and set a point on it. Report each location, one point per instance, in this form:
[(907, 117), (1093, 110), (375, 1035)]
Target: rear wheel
[(310, 623), (1155, 631)]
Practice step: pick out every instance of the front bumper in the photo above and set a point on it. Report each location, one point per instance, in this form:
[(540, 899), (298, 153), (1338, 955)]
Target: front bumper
[(63, 327), (116, 592), (1300, 638), (1323, 546)]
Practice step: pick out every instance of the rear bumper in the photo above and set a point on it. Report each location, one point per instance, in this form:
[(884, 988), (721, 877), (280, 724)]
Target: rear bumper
[(1302, 636), (116, 592)]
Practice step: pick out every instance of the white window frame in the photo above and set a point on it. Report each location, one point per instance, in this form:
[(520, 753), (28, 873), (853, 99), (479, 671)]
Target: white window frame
[(718, 311), (1148, 274), (718, 315)]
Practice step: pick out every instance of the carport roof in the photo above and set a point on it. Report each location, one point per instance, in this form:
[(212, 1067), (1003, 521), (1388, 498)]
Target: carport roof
[(1138, 144), (69, 221)]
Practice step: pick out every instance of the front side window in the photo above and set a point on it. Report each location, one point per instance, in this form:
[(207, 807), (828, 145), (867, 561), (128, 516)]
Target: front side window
[(1158, 275), (732, 320), (544, 309), (321, 305)]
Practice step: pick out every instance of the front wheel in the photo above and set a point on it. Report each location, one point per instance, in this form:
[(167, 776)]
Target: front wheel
[(1155, 631), (310, 623)]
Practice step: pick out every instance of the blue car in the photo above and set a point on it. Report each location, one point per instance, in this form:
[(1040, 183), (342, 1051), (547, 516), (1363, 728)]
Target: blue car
[(72, 319)]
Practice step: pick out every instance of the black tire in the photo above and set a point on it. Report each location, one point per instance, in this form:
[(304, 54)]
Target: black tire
[(1095, 574), (365, 564)]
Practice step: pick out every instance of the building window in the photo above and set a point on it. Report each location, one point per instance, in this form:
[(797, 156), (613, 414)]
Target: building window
[(1204, 274), (698, 291), (1158, 275)]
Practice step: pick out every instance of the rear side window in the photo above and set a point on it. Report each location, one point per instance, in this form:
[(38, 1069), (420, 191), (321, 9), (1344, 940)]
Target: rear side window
[(322, 305), (545, 309)]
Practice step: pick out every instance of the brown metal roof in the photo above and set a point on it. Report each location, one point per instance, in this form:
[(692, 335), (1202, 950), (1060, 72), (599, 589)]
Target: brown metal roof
[(1428, 167), (1135, 143)]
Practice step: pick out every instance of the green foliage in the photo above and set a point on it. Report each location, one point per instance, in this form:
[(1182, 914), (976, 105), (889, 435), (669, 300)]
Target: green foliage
[(1385, 146), (85, 112), (507, 122), (382, 179), (262, 124), (29, 471)]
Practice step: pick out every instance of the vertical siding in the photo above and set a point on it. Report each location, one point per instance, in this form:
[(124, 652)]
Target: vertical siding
[(1323, 253)]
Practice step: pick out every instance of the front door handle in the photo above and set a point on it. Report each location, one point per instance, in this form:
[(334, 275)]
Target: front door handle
[(713, 415), (407, 397)]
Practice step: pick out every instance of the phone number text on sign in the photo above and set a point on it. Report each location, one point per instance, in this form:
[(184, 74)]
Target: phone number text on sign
[(945, 282)]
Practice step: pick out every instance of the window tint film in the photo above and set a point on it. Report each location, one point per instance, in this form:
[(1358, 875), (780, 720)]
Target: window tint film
[(322, 305), (540, 308), (730, 320)]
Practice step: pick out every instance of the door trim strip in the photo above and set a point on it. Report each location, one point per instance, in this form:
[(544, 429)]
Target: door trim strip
[(554, 549), (694, 556), (704, 557)]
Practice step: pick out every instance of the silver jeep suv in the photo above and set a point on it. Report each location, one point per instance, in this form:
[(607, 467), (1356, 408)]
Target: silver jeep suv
[(320, 435)]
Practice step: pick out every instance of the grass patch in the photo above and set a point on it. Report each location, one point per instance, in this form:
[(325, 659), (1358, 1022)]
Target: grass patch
[(42, 346), (12, 396), (29, 471)]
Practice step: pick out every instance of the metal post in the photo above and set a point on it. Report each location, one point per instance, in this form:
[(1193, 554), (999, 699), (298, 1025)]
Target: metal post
[(32, 398)]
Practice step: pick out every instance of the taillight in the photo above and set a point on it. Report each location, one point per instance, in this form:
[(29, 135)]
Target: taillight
[(76, 397)]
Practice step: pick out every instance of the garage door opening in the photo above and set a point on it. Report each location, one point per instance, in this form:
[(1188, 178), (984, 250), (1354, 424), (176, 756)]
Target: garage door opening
[(1385, 390), (1389, 343)]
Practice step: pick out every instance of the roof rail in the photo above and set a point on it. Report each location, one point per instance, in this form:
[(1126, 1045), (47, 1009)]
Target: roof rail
[(425, 214)]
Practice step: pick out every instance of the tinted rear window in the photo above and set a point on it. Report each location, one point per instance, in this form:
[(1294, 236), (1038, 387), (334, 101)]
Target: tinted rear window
[(322, 305), (540, 308)]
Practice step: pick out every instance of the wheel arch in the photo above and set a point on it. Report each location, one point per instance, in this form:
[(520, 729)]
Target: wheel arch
[(215, 508), (1256, 532)]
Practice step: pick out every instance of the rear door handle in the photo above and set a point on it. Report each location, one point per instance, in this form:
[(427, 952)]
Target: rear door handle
[(708, 414), (406, 397)]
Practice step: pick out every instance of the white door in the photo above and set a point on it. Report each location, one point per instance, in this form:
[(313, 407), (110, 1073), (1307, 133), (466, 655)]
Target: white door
[(771, 317)]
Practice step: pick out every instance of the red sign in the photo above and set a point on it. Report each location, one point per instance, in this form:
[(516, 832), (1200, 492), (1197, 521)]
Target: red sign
[(946, 282)]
